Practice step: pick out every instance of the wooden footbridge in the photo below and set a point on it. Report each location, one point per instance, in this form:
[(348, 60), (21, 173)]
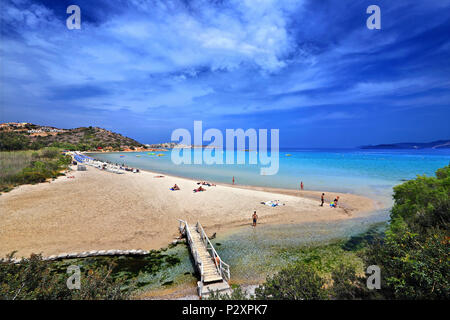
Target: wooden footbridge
[(214, 273)]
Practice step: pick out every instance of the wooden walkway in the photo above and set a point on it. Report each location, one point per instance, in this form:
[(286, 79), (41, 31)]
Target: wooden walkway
[(214, 273)]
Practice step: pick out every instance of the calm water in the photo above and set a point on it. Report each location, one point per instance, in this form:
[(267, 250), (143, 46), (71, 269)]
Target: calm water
[(252, 253), (367, 172)]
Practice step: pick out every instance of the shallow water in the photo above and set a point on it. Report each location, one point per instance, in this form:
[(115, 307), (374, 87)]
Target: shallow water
[(253, 253)]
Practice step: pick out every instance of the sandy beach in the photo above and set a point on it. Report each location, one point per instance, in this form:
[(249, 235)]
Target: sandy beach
[(99, 210)]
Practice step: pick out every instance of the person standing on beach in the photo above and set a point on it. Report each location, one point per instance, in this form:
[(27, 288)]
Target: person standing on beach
[(233, 179), (322, 198), (255, 218), (301, 185)]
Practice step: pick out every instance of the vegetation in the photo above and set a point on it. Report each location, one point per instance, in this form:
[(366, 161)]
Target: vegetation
[(80, 139), (296, 282), (24, 167), (35, 278), (413, 254), (10, 141), (102, 277)]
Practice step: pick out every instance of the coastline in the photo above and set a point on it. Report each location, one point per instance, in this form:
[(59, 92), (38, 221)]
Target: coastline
[(312, 194), (99, 210)]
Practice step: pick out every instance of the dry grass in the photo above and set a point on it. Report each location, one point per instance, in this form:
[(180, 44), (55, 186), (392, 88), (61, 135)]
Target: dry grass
[(19, 167), (12, 163)]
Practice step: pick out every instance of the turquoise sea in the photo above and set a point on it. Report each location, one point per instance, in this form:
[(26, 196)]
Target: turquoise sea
[(367, 172), (254, 252)]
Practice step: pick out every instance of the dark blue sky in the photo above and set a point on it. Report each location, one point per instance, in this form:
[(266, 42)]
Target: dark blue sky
[(309, 68)]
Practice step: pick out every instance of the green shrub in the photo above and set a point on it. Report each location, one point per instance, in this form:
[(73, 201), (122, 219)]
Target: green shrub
[(35, 279), (423, 203), (21, 167), (30, 176), (414, 256), (347, 285), (13, 141), (50, 152), (296, 282)]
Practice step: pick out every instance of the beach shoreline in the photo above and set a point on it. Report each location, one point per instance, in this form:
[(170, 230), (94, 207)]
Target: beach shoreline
[(313, 194), (99, 210)]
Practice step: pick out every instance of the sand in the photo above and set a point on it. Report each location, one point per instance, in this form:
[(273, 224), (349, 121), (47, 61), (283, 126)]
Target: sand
[(99, 210)]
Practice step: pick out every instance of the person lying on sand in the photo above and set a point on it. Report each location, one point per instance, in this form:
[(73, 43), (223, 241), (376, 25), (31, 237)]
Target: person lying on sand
[(175, 187), (199, 189), (158, 177), (273, 203), (206, 183)]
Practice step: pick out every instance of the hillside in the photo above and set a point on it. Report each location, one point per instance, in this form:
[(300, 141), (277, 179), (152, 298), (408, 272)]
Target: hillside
[(19, 136), (440, 144)]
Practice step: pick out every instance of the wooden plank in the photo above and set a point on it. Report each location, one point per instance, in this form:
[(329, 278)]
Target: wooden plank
[(212, 279)]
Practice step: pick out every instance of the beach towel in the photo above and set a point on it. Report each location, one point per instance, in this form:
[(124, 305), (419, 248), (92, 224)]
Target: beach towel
[(273, 203)]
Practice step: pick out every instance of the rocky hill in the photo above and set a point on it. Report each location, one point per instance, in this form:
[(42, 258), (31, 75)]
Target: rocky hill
[(17, 136)]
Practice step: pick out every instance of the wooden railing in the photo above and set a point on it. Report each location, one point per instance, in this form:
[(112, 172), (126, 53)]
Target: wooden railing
[(184, 228), (222, 267)]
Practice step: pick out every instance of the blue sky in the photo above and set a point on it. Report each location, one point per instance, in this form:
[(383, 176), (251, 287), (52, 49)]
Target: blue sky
[(309, 68)]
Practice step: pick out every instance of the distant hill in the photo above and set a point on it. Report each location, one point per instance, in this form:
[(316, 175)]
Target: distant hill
[(17, 136), (441, 144)]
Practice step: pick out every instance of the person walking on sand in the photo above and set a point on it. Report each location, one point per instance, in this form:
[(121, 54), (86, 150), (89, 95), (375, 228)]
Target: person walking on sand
[(255, 218), (322, 198)]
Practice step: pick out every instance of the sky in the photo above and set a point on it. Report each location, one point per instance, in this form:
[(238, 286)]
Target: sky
[(310, 68)]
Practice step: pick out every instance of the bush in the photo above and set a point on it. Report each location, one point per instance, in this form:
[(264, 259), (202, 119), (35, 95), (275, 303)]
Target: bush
[(423, 203), (13, 141), (413, 266), (50, 153), (347, 285), (297, 282), (414, 256), (30, 176)]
